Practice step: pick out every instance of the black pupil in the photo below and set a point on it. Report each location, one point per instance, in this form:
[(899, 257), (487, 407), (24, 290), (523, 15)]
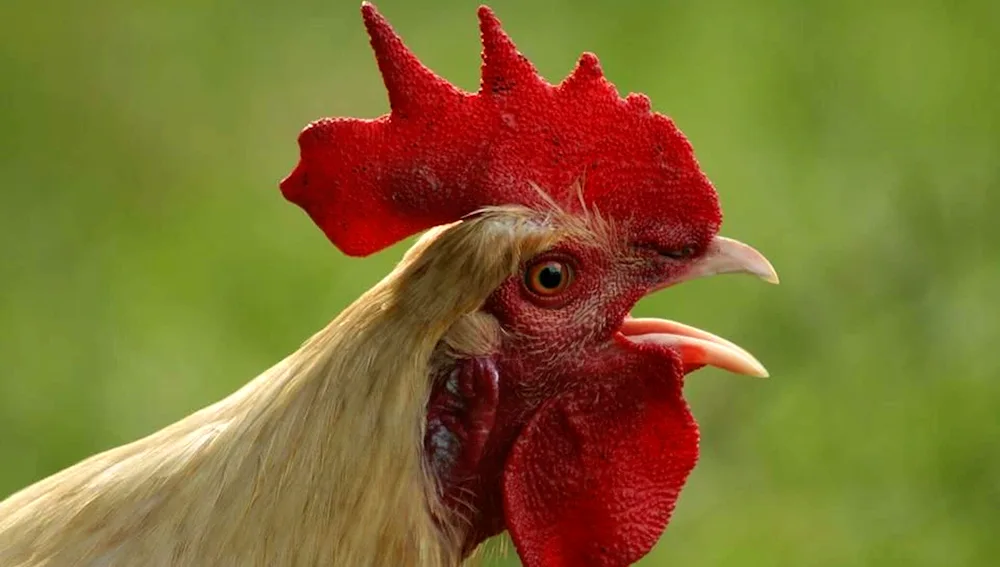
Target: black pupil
[(550, 276)]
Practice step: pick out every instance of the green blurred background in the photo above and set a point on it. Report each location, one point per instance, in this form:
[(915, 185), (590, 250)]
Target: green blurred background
[(150, 266)]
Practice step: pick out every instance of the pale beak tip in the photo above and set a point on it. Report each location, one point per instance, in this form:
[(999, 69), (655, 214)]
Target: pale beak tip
[(752, 367), (726, 255), (767, 272)]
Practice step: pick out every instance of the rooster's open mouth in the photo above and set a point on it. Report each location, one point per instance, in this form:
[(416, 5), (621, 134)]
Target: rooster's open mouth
[(695, 346)]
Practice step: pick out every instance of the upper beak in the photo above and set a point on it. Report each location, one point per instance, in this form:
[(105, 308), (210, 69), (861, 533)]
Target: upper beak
[(728, 256), (697, 347)]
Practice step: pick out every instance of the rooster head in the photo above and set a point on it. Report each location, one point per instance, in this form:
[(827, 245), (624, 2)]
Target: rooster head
[(572, 433)]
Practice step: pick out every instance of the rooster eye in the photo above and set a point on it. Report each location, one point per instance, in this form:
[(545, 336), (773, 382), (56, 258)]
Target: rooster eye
[(549, 277)]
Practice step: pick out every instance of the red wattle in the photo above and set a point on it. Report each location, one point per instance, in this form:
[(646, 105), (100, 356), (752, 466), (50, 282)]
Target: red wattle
[(594, 475)]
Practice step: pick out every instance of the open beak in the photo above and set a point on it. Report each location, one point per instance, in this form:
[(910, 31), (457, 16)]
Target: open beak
[(698, 347)]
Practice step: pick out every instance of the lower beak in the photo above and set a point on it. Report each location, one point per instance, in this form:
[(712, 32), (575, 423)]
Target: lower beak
[(698, 347)]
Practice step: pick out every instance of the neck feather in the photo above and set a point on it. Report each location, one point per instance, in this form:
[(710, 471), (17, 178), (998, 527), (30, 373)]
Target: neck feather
[(316, 461)]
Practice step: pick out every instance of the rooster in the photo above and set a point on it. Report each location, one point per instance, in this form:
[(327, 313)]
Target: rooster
[(494, 380)]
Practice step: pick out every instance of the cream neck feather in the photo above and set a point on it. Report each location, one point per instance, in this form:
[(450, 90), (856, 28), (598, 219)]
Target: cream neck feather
[(317, 461)]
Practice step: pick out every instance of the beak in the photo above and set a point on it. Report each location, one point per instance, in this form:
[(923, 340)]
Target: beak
[(698, 347), (728, 256)]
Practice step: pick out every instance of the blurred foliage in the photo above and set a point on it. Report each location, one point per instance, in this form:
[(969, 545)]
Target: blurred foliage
[(150, 265)]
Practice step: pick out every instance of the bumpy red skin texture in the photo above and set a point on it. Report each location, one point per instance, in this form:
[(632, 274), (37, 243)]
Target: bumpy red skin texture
[(589, 475), (589, 440), (594, 476), (443, 153)]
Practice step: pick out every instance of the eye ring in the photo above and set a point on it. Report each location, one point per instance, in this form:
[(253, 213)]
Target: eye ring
[(549, 277)]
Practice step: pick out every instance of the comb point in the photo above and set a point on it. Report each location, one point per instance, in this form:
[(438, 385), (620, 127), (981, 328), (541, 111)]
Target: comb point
[(587, 80), (442, 153), (639, 102), (504, 67), (588, 68), (409, 83)]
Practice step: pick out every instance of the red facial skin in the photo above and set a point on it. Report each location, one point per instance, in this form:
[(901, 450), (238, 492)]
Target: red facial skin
[(572, 438), (590, 441)]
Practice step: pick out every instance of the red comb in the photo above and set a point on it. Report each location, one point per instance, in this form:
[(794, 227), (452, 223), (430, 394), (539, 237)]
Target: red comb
[(443, 153)]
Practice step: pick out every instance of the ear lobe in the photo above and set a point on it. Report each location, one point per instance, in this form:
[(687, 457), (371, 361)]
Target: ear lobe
[(460, 417), (594, 476)]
